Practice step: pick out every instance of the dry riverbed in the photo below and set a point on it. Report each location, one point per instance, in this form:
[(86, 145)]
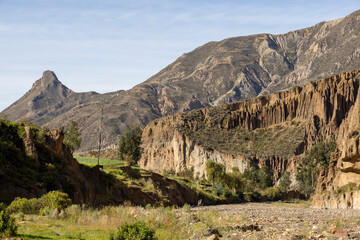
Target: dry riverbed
[(286, 221)]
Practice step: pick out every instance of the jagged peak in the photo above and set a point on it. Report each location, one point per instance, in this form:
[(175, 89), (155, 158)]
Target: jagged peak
[(48, 79)]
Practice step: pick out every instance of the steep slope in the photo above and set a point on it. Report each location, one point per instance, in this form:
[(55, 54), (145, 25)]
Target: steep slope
[(272, 130), (217, 72), (35, 161)]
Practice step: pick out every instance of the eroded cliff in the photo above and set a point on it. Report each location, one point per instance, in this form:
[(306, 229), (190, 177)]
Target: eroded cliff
[(273, 130)]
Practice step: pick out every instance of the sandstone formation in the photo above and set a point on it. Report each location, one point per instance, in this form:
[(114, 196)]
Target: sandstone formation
[(230, 134), (218, 72)]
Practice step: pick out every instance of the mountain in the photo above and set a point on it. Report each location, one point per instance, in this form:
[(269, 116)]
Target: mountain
[(273, 130), (218, 72)]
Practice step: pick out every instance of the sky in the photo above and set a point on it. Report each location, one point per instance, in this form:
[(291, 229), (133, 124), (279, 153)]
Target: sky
[(110, 45)]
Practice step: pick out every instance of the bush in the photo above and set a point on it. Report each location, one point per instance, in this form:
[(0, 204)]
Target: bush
[(48, 202), (285, 181), (56, 200), (261, 178), (215, 172), (2, 206), (273, 193), (134, 231), (23, 205), (7, 225)]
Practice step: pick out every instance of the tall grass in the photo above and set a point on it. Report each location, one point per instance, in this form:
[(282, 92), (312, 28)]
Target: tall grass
[(80, 222)]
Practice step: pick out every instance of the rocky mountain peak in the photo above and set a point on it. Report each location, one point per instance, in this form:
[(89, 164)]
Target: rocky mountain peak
[(48, 79)]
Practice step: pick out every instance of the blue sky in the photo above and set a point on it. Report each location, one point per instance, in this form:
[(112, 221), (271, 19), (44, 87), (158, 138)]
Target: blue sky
[(108, 45)]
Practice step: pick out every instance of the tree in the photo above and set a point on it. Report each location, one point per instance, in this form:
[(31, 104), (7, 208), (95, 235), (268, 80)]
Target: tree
[(129, 145), (309, 166), (72, 137), (261, 178), (285, 181), (215, 171)]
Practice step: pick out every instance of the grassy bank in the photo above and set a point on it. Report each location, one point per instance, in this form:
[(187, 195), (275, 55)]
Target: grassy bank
[(93, 161)]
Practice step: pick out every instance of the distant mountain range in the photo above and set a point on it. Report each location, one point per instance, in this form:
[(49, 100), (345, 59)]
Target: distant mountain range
[(218, 72)]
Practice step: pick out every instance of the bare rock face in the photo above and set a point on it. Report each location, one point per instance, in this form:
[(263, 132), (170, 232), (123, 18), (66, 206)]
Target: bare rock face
[(29, 145), (345, 164), (221, 72), (273, 130)]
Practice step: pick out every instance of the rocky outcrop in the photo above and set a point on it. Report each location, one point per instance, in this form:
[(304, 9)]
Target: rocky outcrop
[(322, 110), (345, 164), (29, 145), (221, 72)]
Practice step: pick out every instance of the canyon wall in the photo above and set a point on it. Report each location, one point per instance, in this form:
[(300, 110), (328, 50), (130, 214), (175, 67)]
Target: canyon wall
[(327, 109)]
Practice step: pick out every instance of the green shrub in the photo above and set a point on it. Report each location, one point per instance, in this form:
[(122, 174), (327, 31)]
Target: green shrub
[(134, 231), (7, 225), (273, 193), (285, 181), (350, 187), (215, 171), (20, 216), (261, 178), (44, 205), (45, 211), (56, 200), (23, 205), (2, 206)]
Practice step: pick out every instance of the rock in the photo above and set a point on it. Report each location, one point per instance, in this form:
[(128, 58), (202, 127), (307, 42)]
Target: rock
[(333, 230), (212, 231), (251, 227), (342, 233), (213, 237)]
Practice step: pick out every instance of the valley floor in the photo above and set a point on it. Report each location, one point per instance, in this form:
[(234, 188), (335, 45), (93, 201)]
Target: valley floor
[(276, 220), (279, 220)]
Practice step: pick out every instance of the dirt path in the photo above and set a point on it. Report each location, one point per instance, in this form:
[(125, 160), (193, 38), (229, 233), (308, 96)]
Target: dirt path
[(286, 221)]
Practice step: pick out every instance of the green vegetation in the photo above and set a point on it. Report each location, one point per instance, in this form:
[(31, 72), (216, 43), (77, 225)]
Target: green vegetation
[(254, 184), (80, 222), (8, 227), (134, 231), (260, 178), (285, 181), (14, 163), (350, 187), (216, 132), (92, 161), (72, 137), (129, 145), (18, 169), (48, 202), (309, 166), (215, 171)]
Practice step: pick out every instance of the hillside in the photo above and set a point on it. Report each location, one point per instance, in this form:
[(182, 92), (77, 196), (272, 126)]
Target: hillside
[(273, 130), (218, 72), (35, 161)]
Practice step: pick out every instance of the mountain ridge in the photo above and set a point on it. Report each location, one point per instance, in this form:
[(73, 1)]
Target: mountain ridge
[(218, 72)]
